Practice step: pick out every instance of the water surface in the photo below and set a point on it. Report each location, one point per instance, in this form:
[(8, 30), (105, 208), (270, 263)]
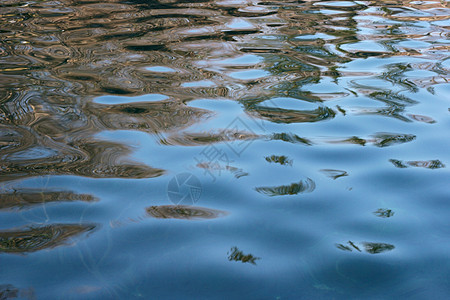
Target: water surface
[(224, 149)]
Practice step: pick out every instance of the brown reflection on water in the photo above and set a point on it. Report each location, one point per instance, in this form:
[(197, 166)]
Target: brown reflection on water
[(56, 57), (291, 138), (306, 186), (31, 239), (97, 159), (26, 198), (279, 159), (184, 212), (71, 70), (278, 115), (236, 255), (180, 212), (207, 138), (162, 116), (381, 139)]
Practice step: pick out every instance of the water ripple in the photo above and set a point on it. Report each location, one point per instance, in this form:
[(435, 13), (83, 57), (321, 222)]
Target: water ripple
[(26, 240), (99, 99), (306, 186), (184, 212)]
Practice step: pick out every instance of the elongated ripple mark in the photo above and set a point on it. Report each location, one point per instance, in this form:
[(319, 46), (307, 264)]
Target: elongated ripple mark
[(97, 159), (32, 239), (290, 138), (369, 247), (381, 139), (335, 174), (27, 198), (184, 212), (427, 164), (422, 118), (56, 56), (149, 117), (206, 138), (306, 186), (237, 255), (280, 115)]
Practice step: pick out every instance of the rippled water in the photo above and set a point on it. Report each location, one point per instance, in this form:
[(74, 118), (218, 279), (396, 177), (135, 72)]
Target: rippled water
[(233, 149)]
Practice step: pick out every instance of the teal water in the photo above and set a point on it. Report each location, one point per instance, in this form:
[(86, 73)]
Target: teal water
[(222, 150)]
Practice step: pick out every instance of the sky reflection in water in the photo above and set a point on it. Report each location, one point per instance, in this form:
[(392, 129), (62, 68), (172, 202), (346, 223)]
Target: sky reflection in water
[(316, 131)]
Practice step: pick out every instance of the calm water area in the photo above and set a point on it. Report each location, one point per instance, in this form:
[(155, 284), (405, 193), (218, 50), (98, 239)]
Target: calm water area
[(201, 149)]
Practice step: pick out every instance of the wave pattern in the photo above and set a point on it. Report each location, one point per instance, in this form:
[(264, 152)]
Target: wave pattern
[(183, 212), (106, 100), (33, 239), (57, 57)]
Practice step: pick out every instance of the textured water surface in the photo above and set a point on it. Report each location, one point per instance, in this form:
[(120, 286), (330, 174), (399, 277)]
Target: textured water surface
[(224, 149)]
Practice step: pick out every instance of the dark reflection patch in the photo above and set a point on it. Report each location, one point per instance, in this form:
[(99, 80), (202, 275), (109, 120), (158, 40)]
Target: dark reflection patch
[(306, 186), (146, 47), (335, 174), (184, 212), (279, 159), (280, 115), (384, 213), (134, 110), (427, 164), (32, 239), (25, 198), (236, 255), (371, 248)]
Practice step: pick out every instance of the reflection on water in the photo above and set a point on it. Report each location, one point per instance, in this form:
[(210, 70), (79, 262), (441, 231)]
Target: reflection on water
[(335, 174), (279, 115), (371, 248), (207, 138), (384, 213), (430, 164), (8, 291), (33, 239), (282, 160), (236, 255), (102, 103), (183, 212), (27, 198), (380, 139), (306, 186)]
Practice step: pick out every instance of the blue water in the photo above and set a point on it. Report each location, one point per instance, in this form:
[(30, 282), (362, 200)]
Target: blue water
[(223, 150)]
